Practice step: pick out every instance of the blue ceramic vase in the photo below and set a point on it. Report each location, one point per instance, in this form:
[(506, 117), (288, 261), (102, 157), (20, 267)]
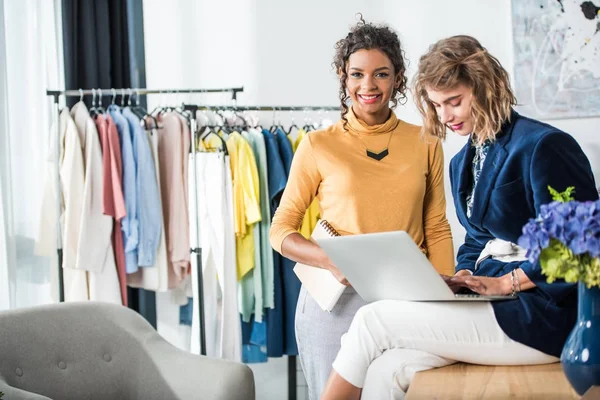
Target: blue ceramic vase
[(580, 357)]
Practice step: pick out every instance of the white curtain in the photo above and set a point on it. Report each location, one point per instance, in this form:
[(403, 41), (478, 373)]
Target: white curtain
[(7, 294), (32, 46)]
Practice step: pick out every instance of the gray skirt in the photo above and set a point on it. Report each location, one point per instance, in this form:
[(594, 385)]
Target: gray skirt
[(318, 334)]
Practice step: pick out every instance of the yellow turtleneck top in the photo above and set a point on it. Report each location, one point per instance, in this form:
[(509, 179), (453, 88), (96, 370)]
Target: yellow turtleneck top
[(357, 194)]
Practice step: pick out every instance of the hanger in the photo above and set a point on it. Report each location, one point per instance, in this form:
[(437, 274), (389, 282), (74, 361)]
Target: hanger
[(308, 126), (292, 126), (185, 114), (223, 125), (114, 96), (275, 125), (256, 122), (160, 109), (100, 109), (210, 131), (93, 111), (243, 126), (81, 95), (138, 110)]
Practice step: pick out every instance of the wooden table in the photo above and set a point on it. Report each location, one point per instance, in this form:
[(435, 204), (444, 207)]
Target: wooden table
[(465, 381)]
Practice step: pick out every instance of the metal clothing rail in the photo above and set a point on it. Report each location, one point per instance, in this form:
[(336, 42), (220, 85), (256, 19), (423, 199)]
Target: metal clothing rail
[(266, 108), (138, 91), (112, 92)]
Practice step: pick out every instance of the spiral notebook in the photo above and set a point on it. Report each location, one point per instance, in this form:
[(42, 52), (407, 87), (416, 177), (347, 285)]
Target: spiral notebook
[(322, 286)]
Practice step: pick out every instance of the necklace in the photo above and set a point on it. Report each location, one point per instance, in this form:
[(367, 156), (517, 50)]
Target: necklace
[(377, 155)]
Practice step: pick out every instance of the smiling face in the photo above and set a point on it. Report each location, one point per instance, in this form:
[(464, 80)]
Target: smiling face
[(453, 108), (370, 84)]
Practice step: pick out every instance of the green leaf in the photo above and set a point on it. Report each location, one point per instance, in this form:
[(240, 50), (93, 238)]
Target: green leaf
[(562, 197), (558, 262), (591, 275)]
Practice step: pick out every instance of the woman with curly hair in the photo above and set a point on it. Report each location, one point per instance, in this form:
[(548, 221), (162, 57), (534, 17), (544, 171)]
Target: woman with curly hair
[(499, 181), (371, 172)]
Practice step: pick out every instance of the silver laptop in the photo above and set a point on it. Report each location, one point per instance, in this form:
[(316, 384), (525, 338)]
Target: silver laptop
[(390, 266)]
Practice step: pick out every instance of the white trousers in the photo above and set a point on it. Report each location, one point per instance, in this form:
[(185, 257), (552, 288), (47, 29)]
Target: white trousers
[(389, 341)]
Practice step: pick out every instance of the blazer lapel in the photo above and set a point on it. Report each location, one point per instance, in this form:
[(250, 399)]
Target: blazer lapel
[(491, 168)]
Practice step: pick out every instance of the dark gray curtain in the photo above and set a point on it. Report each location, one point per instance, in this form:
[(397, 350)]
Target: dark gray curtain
[(104, 48), (96, 45)]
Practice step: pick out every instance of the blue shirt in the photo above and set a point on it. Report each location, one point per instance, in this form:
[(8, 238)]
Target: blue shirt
[(285, 150), (277, 181), (276, 171), (149, 211), (281, 338), (129, 224), (290, 282)]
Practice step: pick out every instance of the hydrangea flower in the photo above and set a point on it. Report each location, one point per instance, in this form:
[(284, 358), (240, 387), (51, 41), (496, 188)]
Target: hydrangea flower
[(565, 239)]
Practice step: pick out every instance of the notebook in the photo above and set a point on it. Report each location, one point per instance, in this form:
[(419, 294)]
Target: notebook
[(319, 282)]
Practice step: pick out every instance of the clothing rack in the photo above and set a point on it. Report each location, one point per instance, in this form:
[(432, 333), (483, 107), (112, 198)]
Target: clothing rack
[(138, 91), (292, 382), (263, 108), (292, 378)]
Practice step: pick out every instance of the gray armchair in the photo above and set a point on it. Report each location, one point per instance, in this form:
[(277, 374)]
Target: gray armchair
[(102, 351)]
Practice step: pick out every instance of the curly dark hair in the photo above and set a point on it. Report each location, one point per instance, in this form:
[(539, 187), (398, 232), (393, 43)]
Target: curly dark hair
[(367, 36)]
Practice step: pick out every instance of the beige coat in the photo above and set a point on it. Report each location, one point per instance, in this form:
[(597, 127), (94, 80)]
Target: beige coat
[(95, 252)]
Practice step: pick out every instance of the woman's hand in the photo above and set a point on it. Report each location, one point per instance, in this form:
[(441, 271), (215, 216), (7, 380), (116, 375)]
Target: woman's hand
[(482, 284), (297, 248), (448, 279), (338, 275)]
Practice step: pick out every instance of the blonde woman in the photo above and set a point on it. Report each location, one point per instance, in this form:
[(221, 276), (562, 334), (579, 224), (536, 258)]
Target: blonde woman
[(499, 180)]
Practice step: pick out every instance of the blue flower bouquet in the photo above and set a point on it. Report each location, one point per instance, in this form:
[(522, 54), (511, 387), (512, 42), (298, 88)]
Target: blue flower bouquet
[(565, 239)]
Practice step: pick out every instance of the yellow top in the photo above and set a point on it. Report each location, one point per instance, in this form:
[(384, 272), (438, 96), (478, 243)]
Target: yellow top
[(299, 138), (245, 200), (357, 194)]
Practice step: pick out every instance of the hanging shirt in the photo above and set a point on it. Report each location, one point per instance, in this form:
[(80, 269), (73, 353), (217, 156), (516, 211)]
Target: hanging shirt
[(254, 333), (214, 214), (277, 182), (155, 278), (290, 282), (129, 225), (245, 200), (251, 291), (173, 148), (147, 194), (266, 251), (113, 202), (72, 179), (71, 189)]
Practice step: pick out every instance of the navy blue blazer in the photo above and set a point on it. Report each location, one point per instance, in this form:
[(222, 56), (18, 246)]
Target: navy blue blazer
[(526, 157)]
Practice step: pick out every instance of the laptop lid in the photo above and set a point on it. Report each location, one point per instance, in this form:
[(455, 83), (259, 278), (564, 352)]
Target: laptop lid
[(386, 266)]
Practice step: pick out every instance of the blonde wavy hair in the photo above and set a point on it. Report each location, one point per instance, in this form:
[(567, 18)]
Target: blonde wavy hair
[(463, 60)]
